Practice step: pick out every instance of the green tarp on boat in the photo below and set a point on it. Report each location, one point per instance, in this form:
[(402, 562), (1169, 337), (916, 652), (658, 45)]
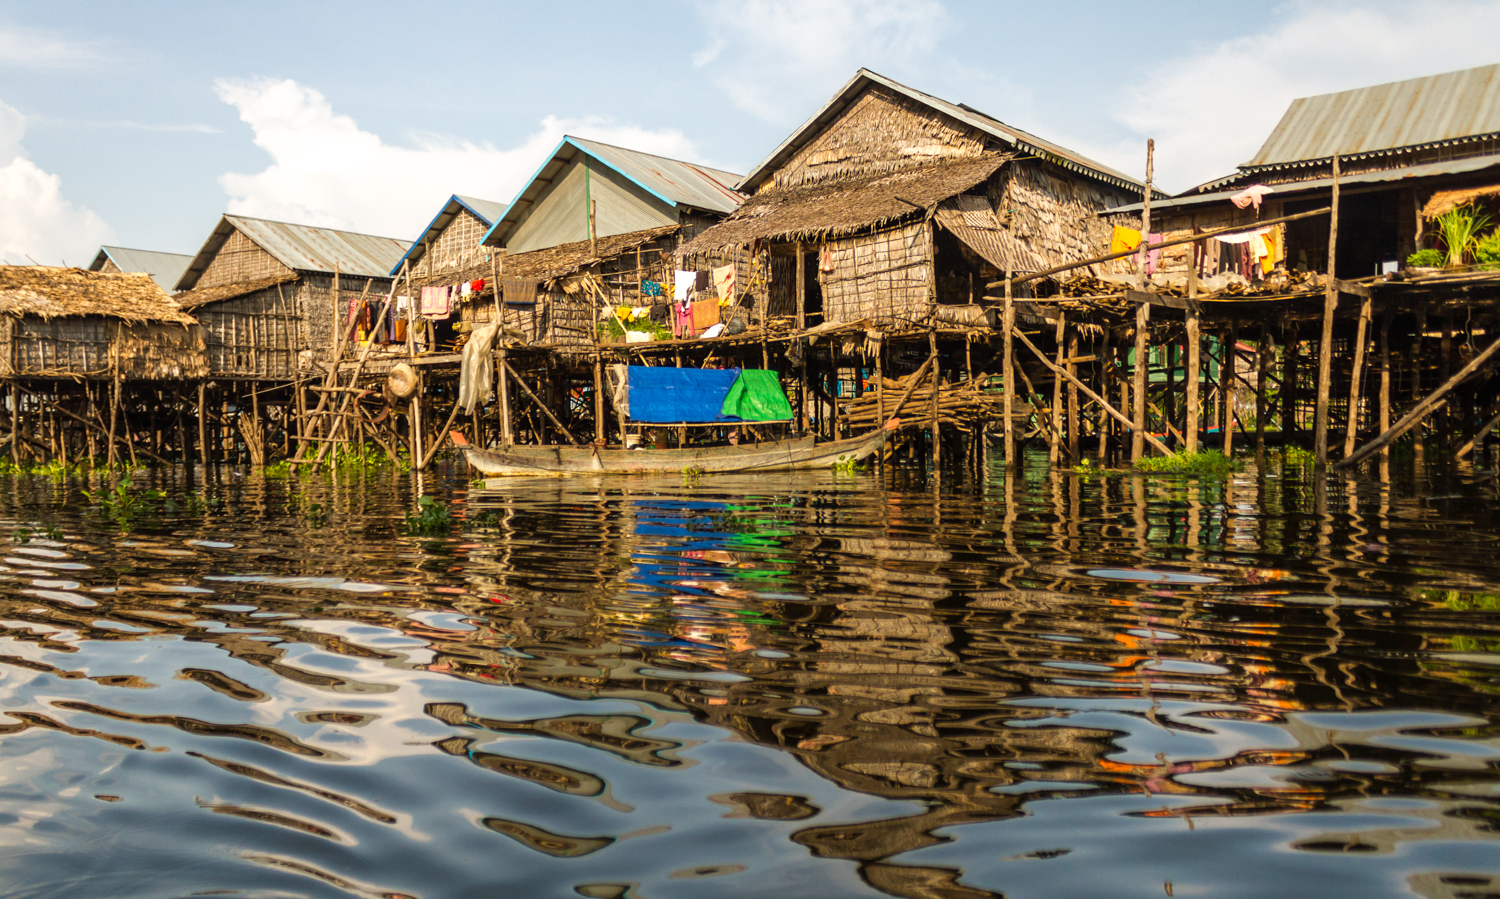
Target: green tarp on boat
[(756, 395)]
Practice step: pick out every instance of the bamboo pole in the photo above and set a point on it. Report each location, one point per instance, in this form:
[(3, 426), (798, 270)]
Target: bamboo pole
[(1384, 410), (541, 405), (1103, 404), (1142, 316), (1227, 386), (1325, 341), (1008, 330), (1263, 352), (1426, 407), (1418, 447), (1106, 369), (1074, 425), (203, 449), (1351, 427), (1054, 444), (1194, 356)]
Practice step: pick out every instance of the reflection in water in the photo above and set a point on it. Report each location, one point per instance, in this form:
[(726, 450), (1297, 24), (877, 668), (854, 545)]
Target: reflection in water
[(1054, 685)]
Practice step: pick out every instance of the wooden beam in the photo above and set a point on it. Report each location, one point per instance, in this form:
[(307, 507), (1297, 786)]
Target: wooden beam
[(1351, 426), (1158, 299), (1423, 409), (1325, 341), (1103, 404)]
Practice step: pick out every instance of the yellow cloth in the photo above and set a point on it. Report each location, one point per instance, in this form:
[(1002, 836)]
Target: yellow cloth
[(1275, 252), (1124, 239)]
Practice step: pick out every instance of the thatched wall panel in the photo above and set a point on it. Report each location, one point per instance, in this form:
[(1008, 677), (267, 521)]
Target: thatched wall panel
[(885, 275), (1056, 215), (455, 250), (152, 351), (240, 259), (881, 131)]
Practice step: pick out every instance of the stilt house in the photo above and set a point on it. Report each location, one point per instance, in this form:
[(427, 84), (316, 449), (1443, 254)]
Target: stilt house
[(70, 324), (894, 206), (1408, 151), (164, 268), (595, 227), (268, 293), (450, 254)]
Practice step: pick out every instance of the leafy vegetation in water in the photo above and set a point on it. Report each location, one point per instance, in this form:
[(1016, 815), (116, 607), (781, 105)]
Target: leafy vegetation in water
[(431, 517), (124, 503), (344, 458), (36, 532), (847, 465), (316, 515), (1207, 464), (1296, 455)]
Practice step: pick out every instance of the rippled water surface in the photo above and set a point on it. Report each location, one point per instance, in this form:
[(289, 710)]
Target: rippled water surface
[(783, 685)]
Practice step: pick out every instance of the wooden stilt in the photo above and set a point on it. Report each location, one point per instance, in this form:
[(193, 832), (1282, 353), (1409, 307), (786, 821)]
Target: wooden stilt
[(204, 451), (1106, 369), (1007, 331), (1227, 386), (1194, 373), (506, 438), (15, 427), (937, 383), (114, 415), (1263, 353), (1384, 411), (1074, 425), (1138, 383), (1445, 368), (1325, 341), (1054, 437), (1415, 361), (1289, 359), (598, 400), (1113, 412), (1356, 380)]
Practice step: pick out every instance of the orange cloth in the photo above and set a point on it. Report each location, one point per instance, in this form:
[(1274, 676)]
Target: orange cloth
[(705, 315), (1275, 252)]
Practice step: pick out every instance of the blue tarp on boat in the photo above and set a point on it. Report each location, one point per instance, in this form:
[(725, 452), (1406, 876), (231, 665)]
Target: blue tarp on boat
[(664, 395)]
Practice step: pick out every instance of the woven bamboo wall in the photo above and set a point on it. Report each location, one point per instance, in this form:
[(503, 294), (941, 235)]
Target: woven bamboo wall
[(61, 347), (240, 259), (886, 275), (456, 247), (880, 131), (255, 336), (1055, 214), (109, 267), (164, 352)]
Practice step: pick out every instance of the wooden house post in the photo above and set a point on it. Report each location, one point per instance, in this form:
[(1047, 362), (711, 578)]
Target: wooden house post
[(1227, 386), (1325, 342), (1074, 424), (1142, 322), (1054, 440), (1263, 353), (1194, 351), (1384, 410), (803, 389), (1351, 429), (1007, 330)]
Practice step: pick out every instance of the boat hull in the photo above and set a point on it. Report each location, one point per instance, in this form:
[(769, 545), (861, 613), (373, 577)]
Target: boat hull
[(778, 455)]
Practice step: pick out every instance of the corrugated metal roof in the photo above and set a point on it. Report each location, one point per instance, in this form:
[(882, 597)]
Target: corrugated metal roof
[(302, 248), (1420, 111), (487, 211), (1427, 170), (674, 182), (164, 268), (1015, 137)]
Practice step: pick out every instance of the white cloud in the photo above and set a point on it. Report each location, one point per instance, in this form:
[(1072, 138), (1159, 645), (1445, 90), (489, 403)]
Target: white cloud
[(36, 222), (778, 58), (30, 49), (326, 171), (1211, 110)]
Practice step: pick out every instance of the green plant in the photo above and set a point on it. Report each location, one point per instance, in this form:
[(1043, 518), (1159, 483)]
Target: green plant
[(431, 517), (282, 469), (847, 465), (1207, 464), (1428, 258), (1296, 455), (1487, 250), (1459, 229), (610, 329), (36, 532), (124, 503)]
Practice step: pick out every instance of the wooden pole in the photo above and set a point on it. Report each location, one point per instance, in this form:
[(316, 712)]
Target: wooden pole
[(593, 230), (599, 400), (1351, 427), (803, 383), (1008, 330), (1054, 440), (1263, 353), (204, 453), (1106, 369), (1426, 407), (1418, 448), (1074, 424), (543, 406), (937, 383), (114, 415), (1289, 376), (1325, 342), (1194, 356), (1138, 382), (1111, 410), (15, 428), (1384, 410), (1227, 386)]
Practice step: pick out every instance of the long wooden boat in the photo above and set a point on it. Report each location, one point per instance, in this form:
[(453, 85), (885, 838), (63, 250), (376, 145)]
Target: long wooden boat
[(775, 455)]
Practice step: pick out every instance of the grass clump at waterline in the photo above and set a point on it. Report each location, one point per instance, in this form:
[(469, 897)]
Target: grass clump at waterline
[(1207, 464)]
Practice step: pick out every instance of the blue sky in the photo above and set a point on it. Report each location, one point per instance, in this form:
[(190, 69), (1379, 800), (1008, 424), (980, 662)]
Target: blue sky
[(138, 124)]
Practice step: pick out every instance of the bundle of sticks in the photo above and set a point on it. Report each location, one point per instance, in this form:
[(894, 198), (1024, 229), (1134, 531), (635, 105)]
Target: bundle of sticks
[(966, 405)]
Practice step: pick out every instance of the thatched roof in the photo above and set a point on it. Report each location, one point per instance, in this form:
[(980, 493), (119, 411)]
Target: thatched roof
[(193, 299), (844, 207), (47, 293), (564, 259)]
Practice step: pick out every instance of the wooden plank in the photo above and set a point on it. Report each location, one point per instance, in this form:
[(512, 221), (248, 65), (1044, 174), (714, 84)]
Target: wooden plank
[(1350, 287), (1423, 409), (1156, 299)]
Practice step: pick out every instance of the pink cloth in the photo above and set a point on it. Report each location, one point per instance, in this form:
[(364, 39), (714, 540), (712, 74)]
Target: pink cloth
[(435, 302), (1252, 194), (1153, 257)]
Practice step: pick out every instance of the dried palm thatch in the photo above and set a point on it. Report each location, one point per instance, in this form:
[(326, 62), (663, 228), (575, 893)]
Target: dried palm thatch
[(564, 259), (839, 208), (48, 293), (193, 299)]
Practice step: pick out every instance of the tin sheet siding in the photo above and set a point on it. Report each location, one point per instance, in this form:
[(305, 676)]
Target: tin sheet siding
[(561, 214)]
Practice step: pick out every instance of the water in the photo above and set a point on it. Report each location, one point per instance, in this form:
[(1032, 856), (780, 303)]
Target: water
[(781, 685)]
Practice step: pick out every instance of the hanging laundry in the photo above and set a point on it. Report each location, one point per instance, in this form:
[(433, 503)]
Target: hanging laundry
[(1275, 251), (478, 285), (724, 282), (1251, 195), (1243, 236), (705, 315), (435, 301), (466, 289), (1153, 257), (1124, 240), (825, 261), (683, 285), (651, 289)]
